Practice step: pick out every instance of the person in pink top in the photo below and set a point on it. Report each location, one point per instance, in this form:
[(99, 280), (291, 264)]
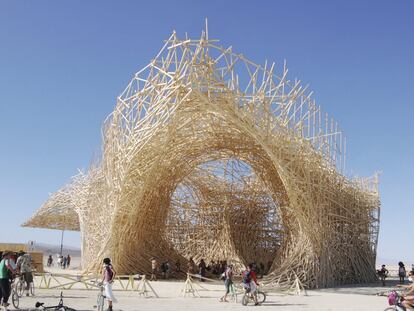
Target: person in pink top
[(108, 276)]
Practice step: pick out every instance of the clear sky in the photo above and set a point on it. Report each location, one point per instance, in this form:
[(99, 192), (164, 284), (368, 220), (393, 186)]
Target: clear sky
[(62, 64)]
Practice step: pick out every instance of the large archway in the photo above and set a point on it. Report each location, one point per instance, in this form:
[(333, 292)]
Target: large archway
[(148, 208)]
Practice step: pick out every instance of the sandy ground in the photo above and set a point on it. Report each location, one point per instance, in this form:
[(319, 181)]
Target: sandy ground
[(344, 298), (332, 299)]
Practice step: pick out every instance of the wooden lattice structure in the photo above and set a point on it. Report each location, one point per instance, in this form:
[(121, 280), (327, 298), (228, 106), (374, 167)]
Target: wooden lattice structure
[(210, 155)]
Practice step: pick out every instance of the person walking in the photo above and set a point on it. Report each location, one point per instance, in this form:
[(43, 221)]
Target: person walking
[(24, 264), (108, 277), (7, 269), (228, 282), (250, 282)]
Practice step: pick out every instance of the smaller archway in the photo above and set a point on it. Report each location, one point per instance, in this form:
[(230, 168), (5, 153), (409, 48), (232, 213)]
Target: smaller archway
[(222, 211)]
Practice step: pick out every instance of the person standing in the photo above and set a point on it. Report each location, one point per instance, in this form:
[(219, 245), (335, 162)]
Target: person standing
[(383, 274), (167, 269), (108, 277), (68, 259), (190, 266), (402, 273), (228, 282), (178, 266), (7, 269), (24, 264), (202, 269), (250, 282), (154, 265), (50, 261), (64, 262)]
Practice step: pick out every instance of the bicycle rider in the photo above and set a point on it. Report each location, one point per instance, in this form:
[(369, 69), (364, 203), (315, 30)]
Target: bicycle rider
[(250, 282), (408, 296), (24, 264)]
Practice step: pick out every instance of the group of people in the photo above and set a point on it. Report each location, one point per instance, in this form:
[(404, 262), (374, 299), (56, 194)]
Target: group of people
[(249, 281), (408, 296), (165, 268), (63, 261), (11, 265), (402, 273)]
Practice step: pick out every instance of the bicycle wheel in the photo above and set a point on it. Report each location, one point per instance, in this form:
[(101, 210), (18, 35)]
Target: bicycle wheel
[(20, 288), (245, 299), (233, 293), (394, 308), (100, 302), (261, 297), (15, 299), (32, 289)]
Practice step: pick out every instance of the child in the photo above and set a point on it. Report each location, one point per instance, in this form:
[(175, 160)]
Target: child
[(401, 272), (108, 276)]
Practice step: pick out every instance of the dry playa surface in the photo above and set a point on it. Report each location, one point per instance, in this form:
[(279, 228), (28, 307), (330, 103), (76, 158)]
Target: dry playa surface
[(357, 297), (170, 298)]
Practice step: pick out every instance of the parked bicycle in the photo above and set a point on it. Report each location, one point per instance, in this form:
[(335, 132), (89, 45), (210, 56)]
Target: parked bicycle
[(59, 307)]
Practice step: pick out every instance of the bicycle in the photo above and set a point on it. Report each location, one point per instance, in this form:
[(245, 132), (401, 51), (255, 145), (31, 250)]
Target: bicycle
[(59, 307), (395, 301), (21, 286), (248, 296), (14, 294), (233, 293), (100, 300)]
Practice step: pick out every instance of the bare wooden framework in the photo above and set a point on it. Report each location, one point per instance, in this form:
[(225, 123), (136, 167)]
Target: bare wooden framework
[(210, 155)]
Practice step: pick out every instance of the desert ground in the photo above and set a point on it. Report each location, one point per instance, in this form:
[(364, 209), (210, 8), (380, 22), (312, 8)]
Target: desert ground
[(357, 297), (346, 298)]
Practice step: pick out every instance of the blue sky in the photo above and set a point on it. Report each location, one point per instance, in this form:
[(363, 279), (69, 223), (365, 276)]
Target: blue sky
[(62, 64)]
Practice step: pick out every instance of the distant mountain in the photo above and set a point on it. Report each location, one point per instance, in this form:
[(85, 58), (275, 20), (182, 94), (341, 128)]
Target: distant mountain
[(55, 249), (389, 261)]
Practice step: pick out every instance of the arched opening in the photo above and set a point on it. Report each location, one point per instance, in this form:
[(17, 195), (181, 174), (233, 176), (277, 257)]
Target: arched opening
[(191, 145), (222, 211)]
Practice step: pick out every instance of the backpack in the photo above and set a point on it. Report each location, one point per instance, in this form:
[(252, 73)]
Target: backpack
[(247, 277), (223, 276)]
